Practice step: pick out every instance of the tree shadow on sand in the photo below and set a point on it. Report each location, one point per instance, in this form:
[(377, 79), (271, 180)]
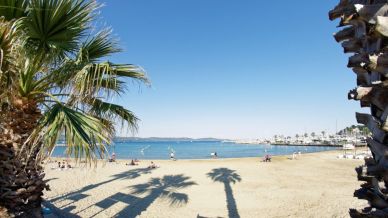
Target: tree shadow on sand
[(166, 188), (227, 176), (80, 193)]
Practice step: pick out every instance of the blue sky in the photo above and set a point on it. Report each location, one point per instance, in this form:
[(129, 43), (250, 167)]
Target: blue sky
[(233, 69)]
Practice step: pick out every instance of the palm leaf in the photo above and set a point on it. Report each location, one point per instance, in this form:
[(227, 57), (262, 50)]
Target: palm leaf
[(13, 9), (8, 62), (6, 58), (113, 112), (89, 81), (86, 136), (55, 27), (99, 46)]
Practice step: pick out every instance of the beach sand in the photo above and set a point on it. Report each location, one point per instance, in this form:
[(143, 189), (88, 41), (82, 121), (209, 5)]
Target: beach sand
[(315, 185)]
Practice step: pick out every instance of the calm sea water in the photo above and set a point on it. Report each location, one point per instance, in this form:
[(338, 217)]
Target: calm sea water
[(196, 149)]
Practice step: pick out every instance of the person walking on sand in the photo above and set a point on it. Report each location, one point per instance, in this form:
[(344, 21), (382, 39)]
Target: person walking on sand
[(294, 155)]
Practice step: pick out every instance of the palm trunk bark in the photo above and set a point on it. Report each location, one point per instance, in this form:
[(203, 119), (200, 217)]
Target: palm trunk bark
[(21, 177), (367, 39)]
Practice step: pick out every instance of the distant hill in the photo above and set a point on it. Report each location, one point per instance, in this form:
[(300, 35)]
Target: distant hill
[(150, 139), (351, 129), (164, 139)]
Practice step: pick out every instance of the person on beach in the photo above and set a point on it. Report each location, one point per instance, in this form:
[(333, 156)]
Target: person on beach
[(133, 163), (172, 156), (267, 158), (294, 155), (57, 167), (113, 158), (152, 165)]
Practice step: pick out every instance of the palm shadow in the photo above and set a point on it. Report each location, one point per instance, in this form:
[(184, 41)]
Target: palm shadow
[(227, 176), (166, 188), (80, 193)]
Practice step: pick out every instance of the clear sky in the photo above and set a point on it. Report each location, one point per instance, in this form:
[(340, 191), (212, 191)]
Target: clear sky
[(233, 69)]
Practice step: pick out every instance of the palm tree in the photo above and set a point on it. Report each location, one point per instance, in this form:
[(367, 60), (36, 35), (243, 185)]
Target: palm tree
[(54, 82), (227, 176)]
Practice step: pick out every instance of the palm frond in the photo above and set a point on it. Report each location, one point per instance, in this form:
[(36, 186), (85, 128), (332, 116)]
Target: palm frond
[(113, 85), (86, 136), (13, 9), (99, 46), (8, 62), (64, 73), (130, 71), (6, 58), (89, 81), (113, 112), (55, 27)]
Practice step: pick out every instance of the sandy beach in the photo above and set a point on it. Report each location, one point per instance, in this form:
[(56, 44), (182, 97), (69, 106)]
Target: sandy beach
[(315, 185)]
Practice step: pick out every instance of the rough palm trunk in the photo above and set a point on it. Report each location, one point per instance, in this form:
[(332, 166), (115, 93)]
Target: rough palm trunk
[(365, 34), (21, 177)]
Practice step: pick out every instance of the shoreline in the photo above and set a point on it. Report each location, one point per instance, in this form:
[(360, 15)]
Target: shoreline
[(201, 159)]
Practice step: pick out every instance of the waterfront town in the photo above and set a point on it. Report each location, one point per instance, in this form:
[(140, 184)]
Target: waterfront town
[(355, 135)]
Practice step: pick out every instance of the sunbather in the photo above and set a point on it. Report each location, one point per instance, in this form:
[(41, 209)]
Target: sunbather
[(152, 165), (132, 163), (267, 158)]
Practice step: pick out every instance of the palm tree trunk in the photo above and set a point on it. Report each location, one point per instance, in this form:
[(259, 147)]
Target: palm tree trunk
[(21, 178), (230, 201), (365, 37)]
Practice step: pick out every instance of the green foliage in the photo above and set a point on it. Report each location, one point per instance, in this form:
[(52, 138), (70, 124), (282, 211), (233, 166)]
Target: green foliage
[(85, 134), (56, 27), (13, 9), (50, 56), (360, 129)]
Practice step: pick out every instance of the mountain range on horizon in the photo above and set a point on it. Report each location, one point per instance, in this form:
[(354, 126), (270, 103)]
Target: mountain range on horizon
[(167, 138)]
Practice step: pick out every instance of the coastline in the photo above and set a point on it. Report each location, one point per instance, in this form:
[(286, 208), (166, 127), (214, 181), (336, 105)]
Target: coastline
[(312, 145), (199, 159)]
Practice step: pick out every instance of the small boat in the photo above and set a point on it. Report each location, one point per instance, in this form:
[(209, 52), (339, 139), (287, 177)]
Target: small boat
[(348, 147)]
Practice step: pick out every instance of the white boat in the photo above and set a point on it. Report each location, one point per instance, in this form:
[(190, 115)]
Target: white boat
[(348, 147)]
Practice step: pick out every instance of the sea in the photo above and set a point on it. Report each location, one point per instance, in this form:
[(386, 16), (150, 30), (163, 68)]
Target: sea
[(197, 149)]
